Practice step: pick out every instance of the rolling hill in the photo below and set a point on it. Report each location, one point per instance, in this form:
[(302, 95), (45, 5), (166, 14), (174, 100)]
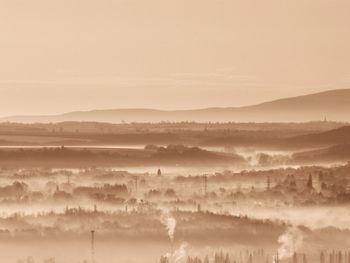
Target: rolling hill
[(333, 104), (328, 138), (172, 155), (336, 153)]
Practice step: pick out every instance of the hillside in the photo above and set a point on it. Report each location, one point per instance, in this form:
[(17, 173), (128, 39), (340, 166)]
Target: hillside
[(171, 155), (336, 153), (336, 136), (333, 104)]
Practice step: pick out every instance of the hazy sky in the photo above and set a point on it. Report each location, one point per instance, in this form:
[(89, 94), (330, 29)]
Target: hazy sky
[(64, 55)]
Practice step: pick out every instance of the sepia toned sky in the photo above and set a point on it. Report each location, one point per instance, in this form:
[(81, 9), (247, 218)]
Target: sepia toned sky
[(64, 55)]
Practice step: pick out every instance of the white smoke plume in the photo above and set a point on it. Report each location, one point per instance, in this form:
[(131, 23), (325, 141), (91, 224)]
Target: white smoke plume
[(180, 254), (290, 241), (170, 223)]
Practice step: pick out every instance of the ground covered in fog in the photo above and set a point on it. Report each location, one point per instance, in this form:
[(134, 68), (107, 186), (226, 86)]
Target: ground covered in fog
[(209, 212), (174, 192)]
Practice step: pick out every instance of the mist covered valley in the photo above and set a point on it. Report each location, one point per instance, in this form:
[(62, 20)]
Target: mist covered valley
[(190, 192), (225, 210)]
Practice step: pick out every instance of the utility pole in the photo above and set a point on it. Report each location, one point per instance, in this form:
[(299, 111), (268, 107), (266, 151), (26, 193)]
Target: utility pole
[(205, 185), (92, 246)]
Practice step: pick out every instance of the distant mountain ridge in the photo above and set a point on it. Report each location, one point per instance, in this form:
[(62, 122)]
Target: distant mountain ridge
[(333, 105)]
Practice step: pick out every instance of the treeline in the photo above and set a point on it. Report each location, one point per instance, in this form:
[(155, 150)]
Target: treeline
[(259, 256)]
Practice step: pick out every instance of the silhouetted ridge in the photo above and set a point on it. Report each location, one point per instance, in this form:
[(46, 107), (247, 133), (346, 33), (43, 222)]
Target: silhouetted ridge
[(333, 105)]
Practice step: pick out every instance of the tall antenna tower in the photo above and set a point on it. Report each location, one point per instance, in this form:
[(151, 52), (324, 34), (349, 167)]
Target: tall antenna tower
[(93, 246)]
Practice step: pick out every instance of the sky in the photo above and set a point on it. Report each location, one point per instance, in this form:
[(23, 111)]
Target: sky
[(65, 55)]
